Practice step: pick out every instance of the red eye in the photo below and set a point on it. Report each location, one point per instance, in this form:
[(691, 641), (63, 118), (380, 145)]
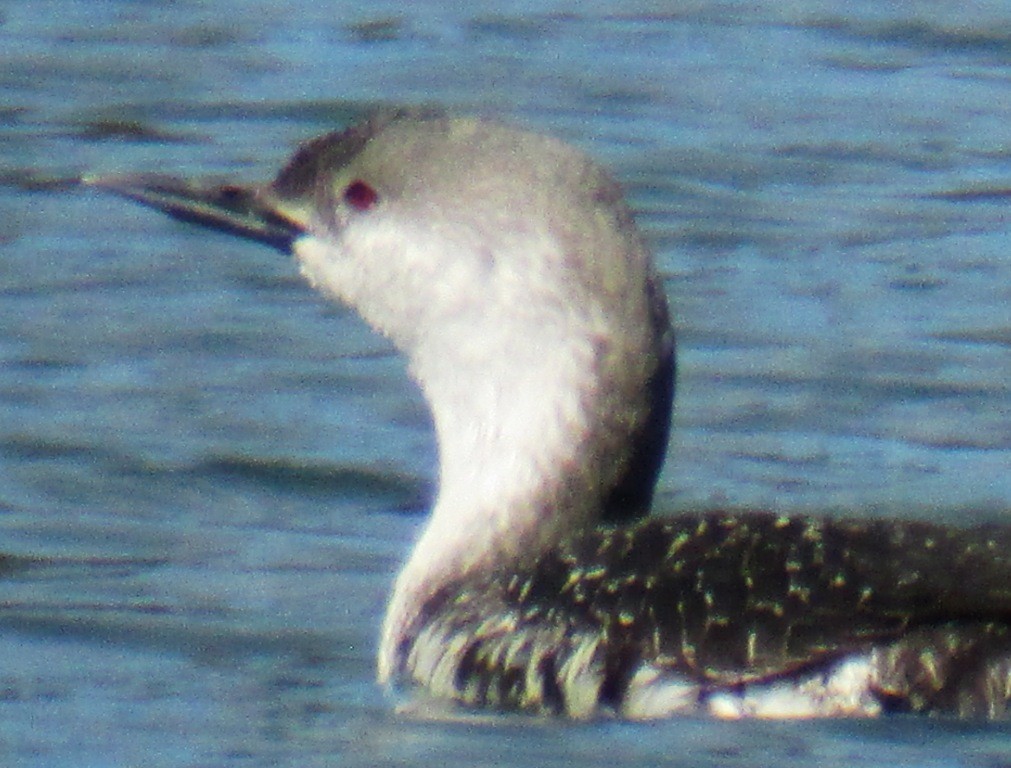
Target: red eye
[(360, 195)]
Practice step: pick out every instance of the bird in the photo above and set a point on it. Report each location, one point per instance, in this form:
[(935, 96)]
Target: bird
[(507, 267)]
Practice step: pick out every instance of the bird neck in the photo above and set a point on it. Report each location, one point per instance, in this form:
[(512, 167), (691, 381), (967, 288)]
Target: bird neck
[(535, 443)]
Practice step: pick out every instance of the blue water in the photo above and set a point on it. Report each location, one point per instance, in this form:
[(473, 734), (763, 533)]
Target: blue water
[(208, 475)]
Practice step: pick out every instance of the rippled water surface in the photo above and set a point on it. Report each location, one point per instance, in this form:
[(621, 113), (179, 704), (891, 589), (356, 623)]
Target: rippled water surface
[(208, 475)]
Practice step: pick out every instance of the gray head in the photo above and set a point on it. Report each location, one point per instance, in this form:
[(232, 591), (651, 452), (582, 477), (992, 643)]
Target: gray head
[(506, 267)]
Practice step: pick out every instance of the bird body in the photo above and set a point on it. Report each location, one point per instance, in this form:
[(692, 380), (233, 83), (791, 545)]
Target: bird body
[(507, 268)]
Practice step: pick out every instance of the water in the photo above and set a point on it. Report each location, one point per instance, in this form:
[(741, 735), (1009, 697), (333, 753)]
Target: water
[(208, 475)]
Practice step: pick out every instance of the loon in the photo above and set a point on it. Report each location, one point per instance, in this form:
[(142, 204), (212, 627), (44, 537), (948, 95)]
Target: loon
[(507, 267)]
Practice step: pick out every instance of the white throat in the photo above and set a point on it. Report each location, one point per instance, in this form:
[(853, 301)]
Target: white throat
[(514, 400), (513, 439)]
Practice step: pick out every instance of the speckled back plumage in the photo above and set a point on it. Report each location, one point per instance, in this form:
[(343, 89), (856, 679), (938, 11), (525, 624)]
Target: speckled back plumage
[(725, 601)]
